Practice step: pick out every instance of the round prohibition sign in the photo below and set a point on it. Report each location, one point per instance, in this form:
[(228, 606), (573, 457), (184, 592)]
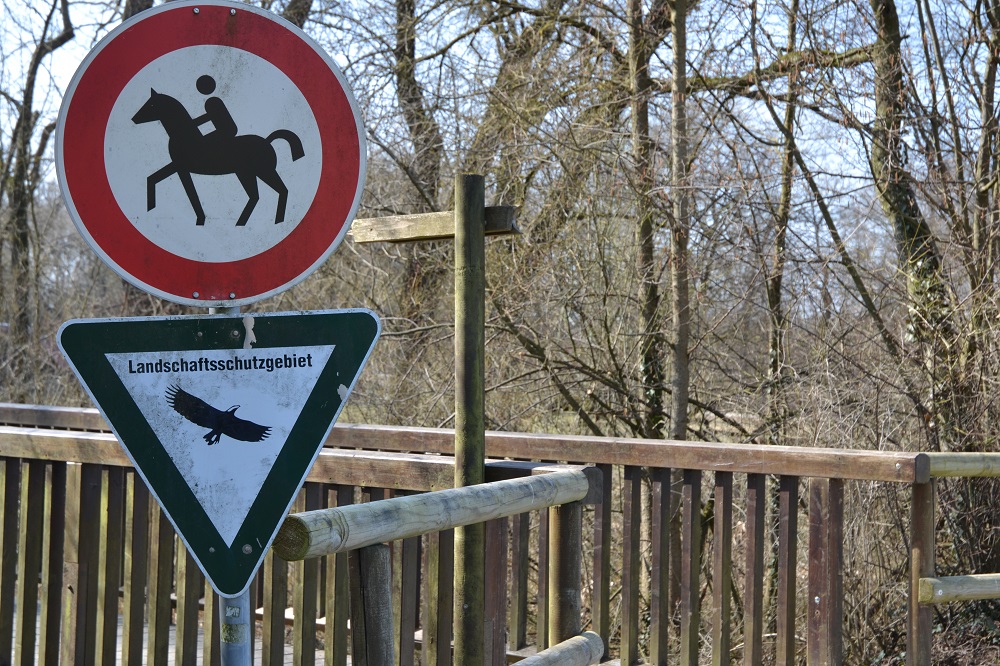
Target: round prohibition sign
[(211, 153)]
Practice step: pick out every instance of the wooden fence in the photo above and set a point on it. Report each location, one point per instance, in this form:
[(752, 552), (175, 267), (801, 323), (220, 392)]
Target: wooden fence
[(74, 514)]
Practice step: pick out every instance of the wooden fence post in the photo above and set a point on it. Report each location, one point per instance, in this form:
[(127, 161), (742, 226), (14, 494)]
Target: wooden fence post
[(918, 635), (371, 606), (565, 544), (470, 429)]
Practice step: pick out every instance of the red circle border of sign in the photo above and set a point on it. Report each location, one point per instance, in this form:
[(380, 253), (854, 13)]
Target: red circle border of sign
[(80, 147)]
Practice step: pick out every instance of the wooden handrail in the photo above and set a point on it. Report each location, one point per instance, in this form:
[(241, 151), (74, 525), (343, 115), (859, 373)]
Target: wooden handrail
[(327, 531), (899, 467)]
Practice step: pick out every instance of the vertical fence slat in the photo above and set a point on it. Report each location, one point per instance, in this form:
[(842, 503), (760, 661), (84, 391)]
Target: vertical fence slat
[(753, 588), (112, 522), (161, 576), (495, 606), (409, 599), (52, 564), (788, 521), (8, 553), (405, 591), (919, 636), (79, 626), (826, 517), (659, 593), (722, 569), (835, 542), (601, 599), (631, 510), (337, 592), (136, 561), (275, 603), (67, 627), (189, 585), (304, 592), (29, 562), (438, 598), (690, 607), (542, 583), (211, 653), (517, 615)]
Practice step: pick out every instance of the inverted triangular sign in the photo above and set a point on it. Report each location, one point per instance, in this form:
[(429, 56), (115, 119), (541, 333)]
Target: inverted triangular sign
[(223, 416)]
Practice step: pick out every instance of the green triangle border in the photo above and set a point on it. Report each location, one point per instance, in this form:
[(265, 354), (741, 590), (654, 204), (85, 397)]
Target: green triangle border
[(85, 342)]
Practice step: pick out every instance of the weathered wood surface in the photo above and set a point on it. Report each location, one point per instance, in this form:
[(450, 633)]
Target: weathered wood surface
[(920, 620), (708, 456), (581, 650), (788, 516), (959, 588), (964, 464), (753, 586), (690, 606), (495, 601), (824, 641), (438, 598), (722, 570), (337, 600), (659, 593), (517, 613), (46, 416), (316, 533), (500, 220), (371, 606), (470, 408), (82, 568), (565, 543), (601, 599), (631, 512)]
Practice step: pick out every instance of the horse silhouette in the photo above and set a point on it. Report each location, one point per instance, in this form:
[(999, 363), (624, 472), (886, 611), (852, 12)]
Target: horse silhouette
[(248, 156)]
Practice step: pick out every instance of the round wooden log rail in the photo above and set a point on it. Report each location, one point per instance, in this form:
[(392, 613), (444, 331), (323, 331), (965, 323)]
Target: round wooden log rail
[(959, 588), (582, 650), (327, 531)]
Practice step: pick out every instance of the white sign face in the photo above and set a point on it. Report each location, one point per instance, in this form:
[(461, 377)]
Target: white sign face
[(178, 392), (259, 100)]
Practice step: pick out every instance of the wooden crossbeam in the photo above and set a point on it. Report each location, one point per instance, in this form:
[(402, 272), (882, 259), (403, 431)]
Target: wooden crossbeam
[(500, 220)]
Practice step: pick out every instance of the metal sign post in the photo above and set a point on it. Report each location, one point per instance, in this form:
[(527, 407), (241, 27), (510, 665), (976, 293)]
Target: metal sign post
[(236, 618)]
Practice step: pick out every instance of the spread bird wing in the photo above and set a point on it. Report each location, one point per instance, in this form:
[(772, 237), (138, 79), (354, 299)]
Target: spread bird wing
[(194, 409), (245, 431)]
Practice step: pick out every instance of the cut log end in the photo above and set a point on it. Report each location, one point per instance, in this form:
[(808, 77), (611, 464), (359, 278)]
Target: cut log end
[(292, 541)]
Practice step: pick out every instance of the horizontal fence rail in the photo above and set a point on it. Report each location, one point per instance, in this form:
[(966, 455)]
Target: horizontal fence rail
[(77, 519), (329, 531)]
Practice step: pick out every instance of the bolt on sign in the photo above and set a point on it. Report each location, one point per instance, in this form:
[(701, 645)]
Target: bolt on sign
[(211, 153)]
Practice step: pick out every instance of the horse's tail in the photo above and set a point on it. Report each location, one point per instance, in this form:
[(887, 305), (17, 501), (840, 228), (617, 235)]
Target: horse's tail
[(293, 141)]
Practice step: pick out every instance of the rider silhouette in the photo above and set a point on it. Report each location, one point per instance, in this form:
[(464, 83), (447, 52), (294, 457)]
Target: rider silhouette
[(215, 110)]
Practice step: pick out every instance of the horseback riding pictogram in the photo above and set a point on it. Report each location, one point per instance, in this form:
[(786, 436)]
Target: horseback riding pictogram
[(221, 151)]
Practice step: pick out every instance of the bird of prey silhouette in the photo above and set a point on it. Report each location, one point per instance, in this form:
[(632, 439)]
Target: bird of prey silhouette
[(218, 422)]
